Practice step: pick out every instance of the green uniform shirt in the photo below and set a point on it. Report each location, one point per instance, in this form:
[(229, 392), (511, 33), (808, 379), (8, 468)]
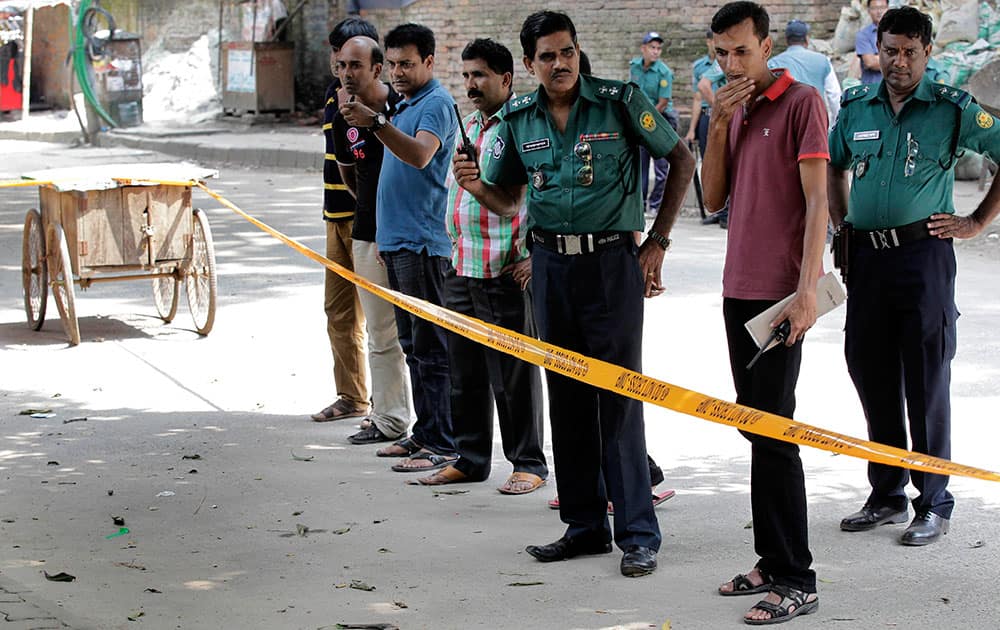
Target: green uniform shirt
[(610, 116), (903, 164), (656, 81)]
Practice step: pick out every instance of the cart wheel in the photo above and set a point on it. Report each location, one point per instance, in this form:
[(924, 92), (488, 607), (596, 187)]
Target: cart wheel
[(33, 270), (165, 293), (199, 279), (61, 281)]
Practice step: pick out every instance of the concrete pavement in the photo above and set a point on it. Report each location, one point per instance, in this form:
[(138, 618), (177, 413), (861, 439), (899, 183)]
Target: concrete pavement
[(225, 550), (231, 140)]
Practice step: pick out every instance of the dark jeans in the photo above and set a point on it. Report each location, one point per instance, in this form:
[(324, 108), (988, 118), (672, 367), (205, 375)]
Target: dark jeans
[(661, 168), (424, 345), (777, 483), (481, 376), (592, 304), (701, 132), (899, 345)]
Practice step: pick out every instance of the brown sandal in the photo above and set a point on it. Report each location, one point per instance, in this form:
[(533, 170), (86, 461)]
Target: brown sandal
[(339, 410), (400, 448), (534, 483), (446, 475)]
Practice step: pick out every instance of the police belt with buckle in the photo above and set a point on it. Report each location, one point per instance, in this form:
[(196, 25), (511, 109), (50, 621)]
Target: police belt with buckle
[(573, 244), (890, 238)]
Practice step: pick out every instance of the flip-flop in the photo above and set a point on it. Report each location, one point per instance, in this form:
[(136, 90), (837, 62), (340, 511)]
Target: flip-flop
[(437, 461), (515, 477), (448, 474), (406, 444), (660, 496), (743, 586)]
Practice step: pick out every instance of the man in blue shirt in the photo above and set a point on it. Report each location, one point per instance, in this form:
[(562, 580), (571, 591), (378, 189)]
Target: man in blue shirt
[(809, 67), (411, 237), (866, 46), (656, 81)]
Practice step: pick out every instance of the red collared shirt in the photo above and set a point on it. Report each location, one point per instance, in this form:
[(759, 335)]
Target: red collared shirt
[(767, 208)]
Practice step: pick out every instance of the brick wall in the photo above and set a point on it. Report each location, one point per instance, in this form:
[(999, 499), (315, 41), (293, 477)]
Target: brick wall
[(609, 32)]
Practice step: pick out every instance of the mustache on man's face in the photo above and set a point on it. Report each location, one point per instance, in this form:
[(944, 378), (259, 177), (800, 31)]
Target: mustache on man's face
[(474, 93)]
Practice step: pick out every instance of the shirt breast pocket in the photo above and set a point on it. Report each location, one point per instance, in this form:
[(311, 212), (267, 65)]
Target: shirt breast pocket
[(612, 160), (541, 167), (930, 148), (863, 152)]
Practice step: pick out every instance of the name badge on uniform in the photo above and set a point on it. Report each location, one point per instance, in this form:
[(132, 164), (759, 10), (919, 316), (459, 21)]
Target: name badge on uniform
[(535, 145), (867, 135), (537, 180)]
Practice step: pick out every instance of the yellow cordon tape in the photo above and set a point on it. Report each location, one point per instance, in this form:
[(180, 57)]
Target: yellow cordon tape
[(620, 380)]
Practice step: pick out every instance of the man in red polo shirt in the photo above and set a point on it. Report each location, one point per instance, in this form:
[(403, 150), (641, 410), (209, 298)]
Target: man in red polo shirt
[(767, 154)]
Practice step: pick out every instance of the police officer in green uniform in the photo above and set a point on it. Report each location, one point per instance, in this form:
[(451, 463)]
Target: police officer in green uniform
[(900, 140), (573, 145)]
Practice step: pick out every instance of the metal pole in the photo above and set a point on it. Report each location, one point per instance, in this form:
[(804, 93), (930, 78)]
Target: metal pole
[(29, 26), (222, 4)]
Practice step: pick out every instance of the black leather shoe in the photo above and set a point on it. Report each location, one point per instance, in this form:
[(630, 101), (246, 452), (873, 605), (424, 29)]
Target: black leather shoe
[(566, 548), (638, 561), (870, 517), (925, 528)]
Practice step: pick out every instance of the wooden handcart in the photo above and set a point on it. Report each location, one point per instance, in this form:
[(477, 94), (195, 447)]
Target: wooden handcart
[(109, 224)]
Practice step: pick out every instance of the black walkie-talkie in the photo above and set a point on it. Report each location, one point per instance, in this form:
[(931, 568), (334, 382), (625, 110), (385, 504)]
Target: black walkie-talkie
[(779, 334), (468, 148)]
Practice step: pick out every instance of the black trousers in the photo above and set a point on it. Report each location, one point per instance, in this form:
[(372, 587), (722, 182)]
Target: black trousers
[(777, 483), (592, 304), (424, 345), (899, 345), (481, 377)]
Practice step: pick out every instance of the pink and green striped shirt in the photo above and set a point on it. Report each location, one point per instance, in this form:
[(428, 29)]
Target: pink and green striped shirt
[(483, 243)]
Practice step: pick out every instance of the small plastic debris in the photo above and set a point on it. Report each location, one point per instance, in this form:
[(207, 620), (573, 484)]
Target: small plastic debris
[(195, 456), (32, 412), (153, 590), (166, 493), (118, 520), (52, 463), (299, 458), (341, 531), (62, 576), (43, 415), (74, 420), (361, 586), (121, 532)]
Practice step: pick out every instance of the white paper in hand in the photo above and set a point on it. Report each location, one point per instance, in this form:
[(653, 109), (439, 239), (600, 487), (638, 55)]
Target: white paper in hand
[(829, 295)]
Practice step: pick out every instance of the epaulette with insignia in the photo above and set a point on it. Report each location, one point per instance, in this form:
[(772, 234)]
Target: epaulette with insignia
[(519, 103), (960, 98), (609, 89), (856, 92)]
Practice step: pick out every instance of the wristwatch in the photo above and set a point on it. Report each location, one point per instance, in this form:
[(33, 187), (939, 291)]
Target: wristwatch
[(659, 239), (379, 122)]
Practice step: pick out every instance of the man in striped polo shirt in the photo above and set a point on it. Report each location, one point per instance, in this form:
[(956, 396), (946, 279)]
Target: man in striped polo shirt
[(344, 318), (490, 282)]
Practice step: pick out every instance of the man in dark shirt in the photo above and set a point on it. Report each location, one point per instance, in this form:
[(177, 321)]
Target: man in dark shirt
[(359, 158), (344, 318)]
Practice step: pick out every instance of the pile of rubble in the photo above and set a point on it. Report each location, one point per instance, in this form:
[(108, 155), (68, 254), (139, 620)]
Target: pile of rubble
[(966, 38)]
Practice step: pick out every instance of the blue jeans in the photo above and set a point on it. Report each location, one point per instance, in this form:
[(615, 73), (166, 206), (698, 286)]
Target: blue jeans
[(425, 346)]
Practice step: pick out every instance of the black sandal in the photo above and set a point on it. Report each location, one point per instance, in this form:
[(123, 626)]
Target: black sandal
[(743, 586), (437, 461), (793, 603)]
